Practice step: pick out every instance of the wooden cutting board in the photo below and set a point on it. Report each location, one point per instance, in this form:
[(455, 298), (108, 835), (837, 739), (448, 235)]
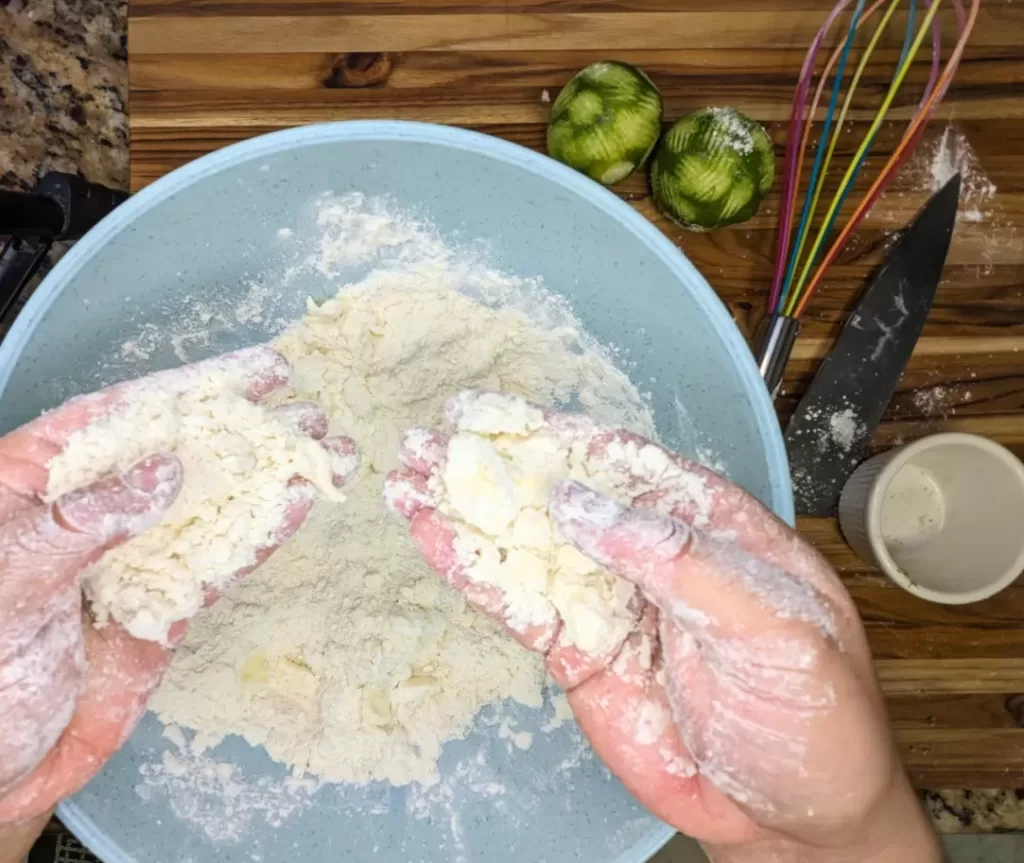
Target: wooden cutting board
[(206, 73)]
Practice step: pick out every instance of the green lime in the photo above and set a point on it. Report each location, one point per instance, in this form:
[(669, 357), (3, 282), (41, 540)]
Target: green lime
[(712, 169), (606, 121)]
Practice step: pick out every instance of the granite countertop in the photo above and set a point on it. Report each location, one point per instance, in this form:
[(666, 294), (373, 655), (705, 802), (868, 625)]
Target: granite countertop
[(63, 106)]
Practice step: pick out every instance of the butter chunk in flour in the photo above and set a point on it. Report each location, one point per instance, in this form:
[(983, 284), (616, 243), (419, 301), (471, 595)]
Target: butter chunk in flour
[(501, 464)]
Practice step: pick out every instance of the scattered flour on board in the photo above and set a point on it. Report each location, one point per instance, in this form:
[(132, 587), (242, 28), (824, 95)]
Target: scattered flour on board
[(941, 400), (839, 427), (936, 162), (950, 154)]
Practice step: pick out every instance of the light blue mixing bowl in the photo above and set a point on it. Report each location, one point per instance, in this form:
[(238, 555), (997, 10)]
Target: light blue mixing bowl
[(211, 227)]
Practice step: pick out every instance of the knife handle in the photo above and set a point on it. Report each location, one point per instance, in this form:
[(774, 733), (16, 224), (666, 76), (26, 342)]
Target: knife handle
[(779, 335)]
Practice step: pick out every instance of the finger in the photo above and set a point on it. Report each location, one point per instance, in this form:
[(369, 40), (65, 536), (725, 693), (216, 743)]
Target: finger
[(122, 673), (406, 492), (417, 485), (256, 371), (570, 665), (700, 583), (626, 714), (345, 459), (627, 466), (38, 689), (423, 450), (26, 452), (43, 551), (302, 496), (434, 537), (306, 417)]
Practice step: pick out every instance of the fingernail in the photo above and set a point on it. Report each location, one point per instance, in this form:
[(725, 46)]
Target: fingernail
[(423, 449), (307, 417), (156, 475), (612, 534), (345, 459)]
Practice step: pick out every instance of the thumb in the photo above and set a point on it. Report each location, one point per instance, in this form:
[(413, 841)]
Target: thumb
[(43, 550), (700, 582), (117, 508)]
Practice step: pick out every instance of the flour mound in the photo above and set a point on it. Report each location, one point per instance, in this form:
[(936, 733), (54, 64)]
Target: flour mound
[(345, 656), (239, 461)]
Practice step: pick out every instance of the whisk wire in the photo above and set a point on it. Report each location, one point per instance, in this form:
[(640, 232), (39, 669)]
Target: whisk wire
[(816, 171), (861, 154), (837, 131), (902, 152), (790, 293)]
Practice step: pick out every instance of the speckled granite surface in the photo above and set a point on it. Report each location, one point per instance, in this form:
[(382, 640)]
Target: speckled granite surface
[(63, 90), (63, 95), (63, 103)]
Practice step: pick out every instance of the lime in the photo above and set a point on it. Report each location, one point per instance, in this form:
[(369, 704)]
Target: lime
[(712, 169), (606, 121)]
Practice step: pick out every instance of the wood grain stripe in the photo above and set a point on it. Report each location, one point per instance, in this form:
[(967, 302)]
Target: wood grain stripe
[(944, 758), (1003, 27), (195, 8), (675, 70), (953, 676)]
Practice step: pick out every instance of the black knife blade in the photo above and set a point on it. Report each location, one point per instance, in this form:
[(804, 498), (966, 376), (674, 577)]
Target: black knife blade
[(830, 430)]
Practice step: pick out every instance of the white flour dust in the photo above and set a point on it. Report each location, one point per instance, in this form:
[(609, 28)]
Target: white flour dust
[(215, 796), (344, 656), (732, 132), (843, 428), (950, 154)]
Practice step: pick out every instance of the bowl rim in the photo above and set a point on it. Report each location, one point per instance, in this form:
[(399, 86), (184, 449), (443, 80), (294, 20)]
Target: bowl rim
[(899, 459), (516, 155), (297, 137)]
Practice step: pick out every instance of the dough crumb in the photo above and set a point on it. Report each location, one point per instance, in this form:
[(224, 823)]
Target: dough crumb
[(502, 462)]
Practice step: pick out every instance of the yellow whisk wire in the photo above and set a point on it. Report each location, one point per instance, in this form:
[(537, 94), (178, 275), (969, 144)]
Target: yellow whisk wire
[(855, 81), (897, 157), (794, 299)]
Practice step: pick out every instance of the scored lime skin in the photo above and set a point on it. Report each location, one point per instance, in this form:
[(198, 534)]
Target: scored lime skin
[(713, 169), (605, 121)]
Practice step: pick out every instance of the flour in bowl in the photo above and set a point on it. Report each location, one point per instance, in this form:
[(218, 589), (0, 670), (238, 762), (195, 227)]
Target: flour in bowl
[(345, 656)]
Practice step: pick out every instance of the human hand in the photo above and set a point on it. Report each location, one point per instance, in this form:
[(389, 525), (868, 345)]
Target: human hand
[(743, 708), (70, 694)]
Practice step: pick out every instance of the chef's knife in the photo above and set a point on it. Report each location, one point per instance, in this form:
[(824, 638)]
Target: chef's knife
[(833, 424)]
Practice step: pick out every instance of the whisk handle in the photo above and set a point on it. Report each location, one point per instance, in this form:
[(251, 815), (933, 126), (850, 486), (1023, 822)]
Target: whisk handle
[(778, 335)]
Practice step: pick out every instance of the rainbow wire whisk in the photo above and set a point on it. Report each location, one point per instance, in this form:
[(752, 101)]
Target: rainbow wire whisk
[(808, 242)]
